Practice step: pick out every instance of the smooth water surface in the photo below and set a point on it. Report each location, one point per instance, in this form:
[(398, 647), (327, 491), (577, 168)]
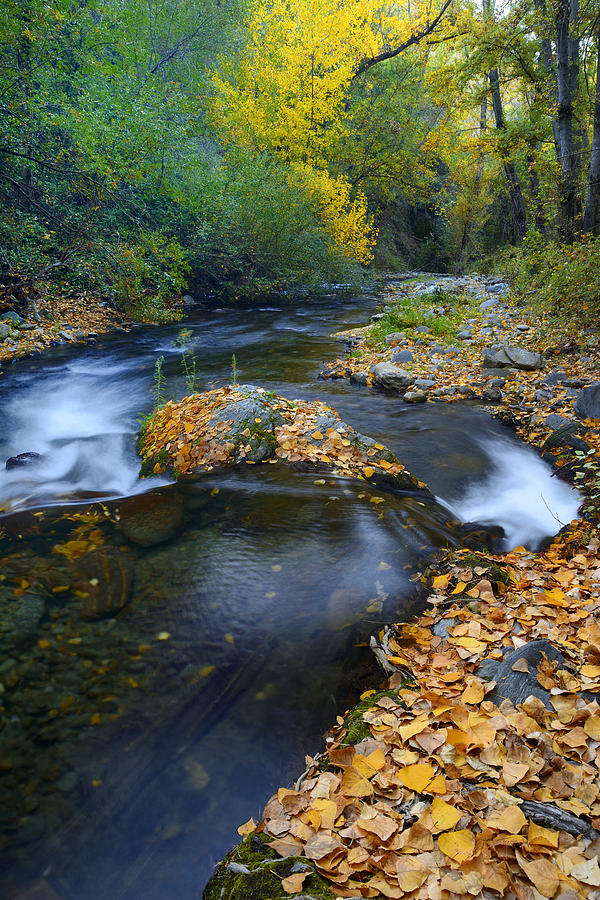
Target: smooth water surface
[(132, 747)]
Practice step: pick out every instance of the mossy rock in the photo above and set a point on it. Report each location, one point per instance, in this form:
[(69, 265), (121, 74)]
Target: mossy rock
[(353, 720), (252, 871)]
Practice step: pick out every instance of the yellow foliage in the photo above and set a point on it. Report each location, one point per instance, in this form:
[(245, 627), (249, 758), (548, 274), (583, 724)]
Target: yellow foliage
[(289, 93)]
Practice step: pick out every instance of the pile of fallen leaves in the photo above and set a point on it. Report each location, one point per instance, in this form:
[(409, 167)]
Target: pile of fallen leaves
[(199, 432), (76, 317), (456, 792)]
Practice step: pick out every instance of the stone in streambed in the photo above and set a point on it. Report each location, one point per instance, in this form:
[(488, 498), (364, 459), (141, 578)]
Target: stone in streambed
[(103, 579), (588, 402), (396, 337), (417, 396), (26, 617), (359, 378), (403, 356), (21, 460), (389, 376), (151, 518), (518, 686), (516, 357)]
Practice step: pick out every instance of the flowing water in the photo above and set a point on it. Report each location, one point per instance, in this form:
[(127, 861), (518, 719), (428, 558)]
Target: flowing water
[(132, 747)]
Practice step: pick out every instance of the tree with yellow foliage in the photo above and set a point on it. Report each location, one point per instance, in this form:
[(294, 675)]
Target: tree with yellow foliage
[(289, 93)]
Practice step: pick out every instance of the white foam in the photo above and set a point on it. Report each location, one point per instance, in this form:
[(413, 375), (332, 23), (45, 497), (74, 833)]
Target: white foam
[(520, 494)]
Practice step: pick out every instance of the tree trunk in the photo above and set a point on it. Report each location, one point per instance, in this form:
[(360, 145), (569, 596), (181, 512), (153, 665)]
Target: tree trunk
[(512, 178), (534, 187), (547, 60), (567, 51), (591, 218)]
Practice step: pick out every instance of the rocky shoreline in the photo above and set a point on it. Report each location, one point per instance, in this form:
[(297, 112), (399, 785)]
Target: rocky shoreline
[(474, 770)]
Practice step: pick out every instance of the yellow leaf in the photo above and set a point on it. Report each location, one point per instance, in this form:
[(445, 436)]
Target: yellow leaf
[(457, 845), (542, 873), (459, 587), (417, 776), (473, 693), (354, 784), (293, 883), (511, 819), (441, 582), (444, 815), (368, 471), (317, 435), (247, 828), (591, 726), (544, 837)]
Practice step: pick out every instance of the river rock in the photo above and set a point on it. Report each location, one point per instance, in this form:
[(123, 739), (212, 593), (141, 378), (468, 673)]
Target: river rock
[(26, 618), (588, 402), (516, 357), (417, 396), (489, 304), (5, 332), (103, 579), (359, 378), (253, 413), (396, 337), (151, 518), (22, 459), (387, 375), (12, 318), (403, 356), (465, 335), (518, 686)]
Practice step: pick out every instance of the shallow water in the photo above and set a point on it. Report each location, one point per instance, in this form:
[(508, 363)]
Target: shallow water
[(134, 746)]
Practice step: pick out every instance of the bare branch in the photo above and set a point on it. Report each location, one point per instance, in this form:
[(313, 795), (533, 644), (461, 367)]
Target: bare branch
[(415, 38)]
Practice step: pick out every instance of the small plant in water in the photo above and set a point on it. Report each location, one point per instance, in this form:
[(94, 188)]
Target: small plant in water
[(159, 382), (188, 364), (234, 379)]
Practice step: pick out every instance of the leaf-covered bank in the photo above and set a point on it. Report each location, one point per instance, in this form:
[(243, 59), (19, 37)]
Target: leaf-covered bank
[(477, 771)]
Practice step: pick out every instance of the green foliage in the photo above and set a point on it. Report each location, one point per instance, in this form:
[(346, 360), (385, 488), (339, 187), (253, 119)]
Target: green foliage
[(562, 279), (158, 382), (407, 314)]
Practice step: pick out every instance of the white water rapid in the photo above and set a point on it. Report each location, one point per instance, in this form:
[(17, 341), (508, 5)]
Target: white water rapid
[(520, 494)]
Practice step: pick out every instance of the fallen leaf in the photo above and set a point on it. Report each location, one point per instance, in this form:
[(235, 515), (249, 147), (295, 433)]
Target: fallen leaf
[(457, 845), (293, 883)]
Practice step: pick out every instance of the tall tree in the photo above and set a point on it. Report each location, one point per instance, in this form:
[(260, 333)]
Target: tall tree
[(591, 218)]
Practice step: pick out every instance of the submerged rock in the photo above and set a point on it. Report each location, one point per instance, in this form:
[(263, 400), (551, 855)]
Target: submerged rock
[(103, 578), (22, 459), (149, 519)]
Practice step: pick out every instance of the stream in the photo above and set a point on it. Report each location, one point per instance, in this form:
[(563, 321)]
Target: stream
[(132, 747)]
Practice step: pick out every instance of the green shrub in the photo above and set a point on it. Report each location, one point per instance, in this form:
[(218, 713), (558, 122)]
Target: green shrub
[(561, 279)]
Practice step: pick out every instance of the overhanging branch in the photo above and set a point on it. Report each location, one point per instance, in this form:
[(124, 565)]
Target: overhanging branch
[(415, 38)]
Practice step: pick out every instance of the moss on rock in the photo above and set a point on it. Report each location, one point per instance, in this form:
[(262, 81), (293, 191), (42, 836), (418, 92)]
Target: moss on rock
[(253, 871)]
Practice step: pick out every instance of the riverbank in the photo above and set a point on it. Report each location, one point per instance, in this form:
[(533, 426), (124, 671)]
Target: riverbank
[(474, 769)]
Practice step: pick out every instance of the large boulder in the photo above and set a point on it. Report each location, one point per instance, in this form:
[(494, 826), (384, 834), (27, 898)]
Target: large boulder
[(392, 377), (588, 402), (244, 424), (516, 357)]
